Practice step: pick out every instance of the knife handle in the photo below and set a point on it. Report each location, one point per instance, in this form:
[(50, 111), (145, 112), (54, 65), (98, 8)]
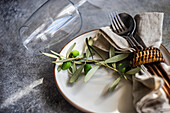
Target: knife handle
[(165, 86), (156, 69)]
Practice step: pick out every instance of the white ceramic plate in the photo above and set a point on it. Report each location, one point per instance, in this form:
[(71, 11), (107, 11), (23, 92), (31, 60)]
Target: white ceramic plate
[(92, 96)]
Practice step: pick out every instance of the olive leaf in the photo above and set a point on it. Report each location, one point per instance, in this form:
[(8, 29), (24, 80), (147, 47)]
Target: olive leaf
[(88, 51), (114, 65), (111, 54), (70, 70), (114, 84), (116, 58), (64, 60), (91, 73), (125, 77), (133, 71), (111, 51), (91, 47), (69, 50), (59, 68), (49, 55), (74, 67), (90, 41), (76, 74), (56, 54)]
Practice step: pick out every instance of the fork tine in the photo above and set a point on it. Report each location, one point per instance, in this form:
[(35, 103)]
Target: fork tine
[(120, 21), (117, 21), (114, 23), (113, 26)]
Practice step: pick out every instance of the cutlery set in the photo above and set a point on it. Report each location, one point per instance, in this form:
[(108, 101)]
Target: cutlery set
[(124, 25)]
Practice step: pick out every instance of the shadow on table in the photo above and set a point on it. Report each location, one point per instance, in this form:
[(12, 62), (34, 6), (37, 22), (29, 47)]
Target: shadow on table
[(52, 96)]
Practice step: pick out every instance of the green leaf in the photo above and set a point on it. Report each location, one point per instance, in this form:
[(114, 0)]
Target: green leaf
[(114, 65), (70, 69), (59, 68), (64, 60), (111, 51), (69, 50), (116, 58), (88, 51), (90, 41), (76, 74), (49, 55), (56, 54), (91, 73), (74, 67), (91, 47), (125, 77), (114, 84), (133, 71)]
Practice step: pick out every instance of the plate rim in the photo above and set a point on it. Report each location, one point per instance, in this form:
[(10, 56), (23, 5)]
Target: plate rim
[(61, 92)]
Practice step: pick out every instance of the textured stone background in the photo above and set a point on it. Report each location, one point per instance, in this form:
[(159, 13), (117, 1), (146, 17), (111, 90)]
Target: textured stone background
[(18, 69)]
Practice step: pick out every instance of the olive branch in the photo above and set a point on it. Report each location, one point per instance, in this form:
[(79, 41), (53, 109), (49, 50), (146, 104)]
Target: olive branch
[(75, 63)]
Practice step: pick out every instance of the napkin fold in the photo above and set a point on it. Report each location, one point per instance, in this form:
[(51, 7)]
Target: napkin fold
[(148, 95), (105, 37), (149, 28)]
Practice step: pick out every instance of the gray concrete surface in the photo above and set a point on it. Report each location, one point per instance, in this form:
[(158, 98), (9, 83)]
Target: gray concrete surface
[(18, 69)]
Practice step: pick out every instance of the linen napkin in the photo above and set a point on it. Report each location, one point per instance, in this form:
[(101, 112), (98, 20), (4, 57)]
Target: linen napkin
[(148, 95)]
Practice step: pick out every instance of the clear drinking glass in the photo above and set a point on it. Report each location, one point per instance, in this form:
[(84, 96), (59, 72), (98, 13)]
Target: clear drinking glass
[(51, 23)]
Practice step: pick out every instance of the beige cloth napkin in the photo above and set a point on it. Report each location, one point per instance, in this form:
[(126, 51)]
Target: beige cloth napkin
[(148, 95)]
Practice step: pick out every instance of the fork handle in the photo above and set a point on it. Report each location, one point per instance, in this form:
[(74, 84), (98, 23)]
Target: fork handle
[(136, 43), (133, 44)]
